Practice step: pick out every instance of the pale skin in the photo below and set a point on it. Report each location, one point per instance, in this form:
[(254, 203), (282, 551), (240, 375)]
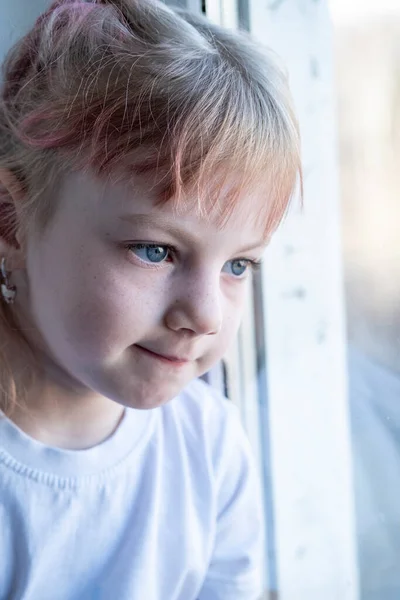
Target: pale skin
[(124, 301)]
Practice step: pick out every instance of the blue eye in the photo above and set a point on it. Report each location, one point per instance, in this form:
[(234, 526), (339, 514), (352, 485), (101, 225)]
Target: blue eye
[(152, 253), (236, 267)]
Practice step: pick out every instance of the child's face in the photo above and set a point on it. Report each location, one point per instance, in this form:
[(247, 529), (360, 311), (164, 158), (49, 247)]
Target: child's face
[(132, 300)]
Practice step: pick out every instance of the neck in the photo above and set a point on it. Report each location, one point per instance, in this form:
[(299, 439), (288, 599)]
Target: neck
[(60, 418), (58, 412)]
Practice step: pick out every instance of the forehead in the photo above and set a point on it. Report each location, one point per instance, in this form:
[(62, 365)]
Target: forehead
[(226, 209)]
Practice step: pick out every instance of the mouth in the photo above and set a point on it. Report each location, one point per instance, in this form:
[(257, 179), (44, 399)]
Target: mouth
[(172, 361)]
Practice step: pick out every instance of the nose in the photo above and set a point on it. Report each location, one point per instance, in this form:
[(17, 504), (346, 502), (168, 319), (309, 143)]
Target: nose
[(196, 306)]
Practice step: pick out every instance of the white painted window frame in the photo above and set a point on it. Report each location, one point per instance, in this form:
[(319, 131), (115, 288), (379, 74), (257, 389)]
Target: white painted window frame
[(305, 428)]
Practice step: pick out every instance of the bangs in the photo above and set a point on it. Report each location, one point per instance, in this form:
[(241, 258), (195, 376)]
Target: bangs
[(192, 148), (189, 105)]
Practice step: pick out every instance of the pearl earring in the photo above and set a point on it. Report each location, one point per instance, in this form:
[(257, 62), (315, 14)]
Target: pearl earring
[(7, 291)]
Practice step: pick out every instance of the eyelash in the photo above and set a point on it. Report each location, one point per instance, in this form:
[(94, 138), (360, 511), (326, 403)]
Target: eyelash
[(172, 252), (254, 265)]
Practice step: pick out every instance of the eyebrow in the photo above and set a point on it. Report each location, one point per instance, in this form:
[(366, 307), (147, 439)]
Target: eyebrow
[(161, 222)]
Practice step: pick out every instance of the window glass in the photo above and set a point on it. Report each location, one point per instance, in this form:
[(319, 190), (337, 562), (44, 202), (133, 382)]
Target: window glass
[(367, 52)]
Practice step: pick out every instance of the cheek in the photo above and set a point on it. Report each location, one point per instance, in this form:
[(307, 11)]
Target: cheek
[(93, 310), (230, 326), (109, 315), (230, 329), (96, 323), (234, 306)]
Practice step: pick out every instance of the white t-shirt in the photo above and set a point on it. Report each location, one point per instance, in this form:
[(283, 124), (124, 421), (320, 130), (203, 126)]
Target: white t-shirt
[(167, 508)]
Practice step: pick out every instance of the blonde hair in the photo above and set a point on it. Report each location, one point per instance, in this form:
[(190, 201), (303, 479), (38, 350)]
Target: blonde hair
[(132, 86)]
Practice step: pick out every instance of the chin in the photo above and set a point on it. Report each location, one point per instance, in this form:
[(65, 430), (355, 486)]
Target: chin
[(143, 390), (148, 397), (149, 403)]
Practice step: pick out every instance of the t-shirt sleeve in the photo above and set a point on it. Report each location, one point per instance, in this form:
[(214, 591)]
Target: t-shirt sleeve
[(236, 571)]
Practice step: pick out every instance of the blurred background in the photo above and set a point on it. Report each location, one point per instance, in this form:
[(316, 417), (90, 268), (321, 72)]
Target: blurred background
[(367, 81)]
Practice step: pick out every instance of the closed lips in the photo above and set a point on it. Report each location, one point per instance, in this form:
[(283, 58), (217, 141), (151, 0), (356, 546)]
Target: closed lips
[(168, 357)]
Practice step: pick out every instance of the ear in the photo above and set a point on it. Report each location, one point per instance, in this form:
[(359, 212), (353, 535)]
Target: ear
[(11, 200)]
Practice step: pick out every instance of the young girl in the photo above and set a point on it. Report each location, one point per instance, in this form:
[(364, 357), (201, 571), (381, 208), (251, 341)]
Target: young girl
[(146, 156)]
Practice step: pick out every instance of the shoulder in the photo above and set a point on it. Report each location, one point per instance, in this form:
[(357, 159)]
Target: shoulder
[(210, 429), (201, 400), (204, 413)]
